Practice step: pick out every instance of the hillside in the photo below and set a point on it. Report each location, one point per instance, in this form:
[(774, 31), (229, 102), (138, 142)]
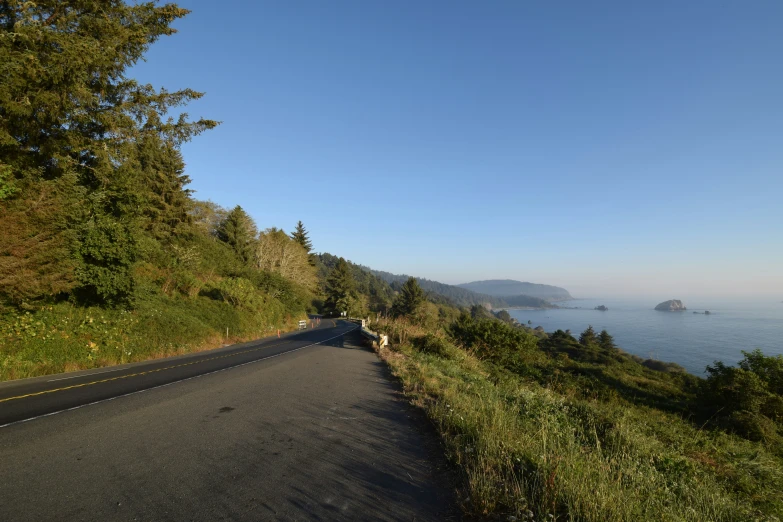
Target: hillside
[(509, 287), (580, 430), (454, 294)]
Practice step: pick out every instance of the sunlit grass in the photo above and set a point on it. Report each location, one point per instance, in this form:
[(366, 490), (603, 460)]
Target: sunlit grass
[(526, 451), (64, 337)]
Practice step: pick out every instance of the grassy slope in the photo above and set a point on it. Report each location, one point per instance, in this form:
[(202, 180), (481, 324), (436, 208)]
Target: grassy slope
[(64, 337), (531, 452)]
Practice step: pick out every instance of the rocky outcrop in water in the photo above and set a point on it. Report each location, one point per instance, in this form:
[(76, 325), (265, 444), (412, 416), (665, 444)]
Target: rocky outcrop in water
[(602, 308), (672, 305)]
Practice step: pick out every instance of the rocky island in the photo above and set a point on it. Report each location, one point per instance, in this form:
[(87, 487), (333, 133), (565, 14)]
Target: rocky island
[(602, 308), (672, 305)]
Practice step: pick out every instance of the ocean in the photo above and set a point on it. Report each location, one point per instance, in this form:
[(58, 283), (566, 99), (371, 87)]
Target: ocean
[(690, 340)]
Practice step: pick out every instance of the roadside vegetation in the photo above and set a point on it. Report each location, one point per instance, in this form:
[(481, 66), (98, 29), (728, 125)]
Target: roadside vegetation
[(105, 256), (551, 427)]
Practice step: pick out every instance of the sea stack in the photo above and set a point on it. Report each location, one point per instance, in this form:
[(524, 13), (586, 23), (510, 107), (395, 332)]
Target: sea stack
[(672, 305)]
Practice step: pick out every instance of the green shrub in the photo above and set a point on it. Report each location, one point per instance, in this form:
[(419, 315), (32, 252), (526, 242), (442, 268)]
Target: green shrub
[(107, 250), (494, 340), (753, 426), (187, 283), (662, 366), (435, 345), (237, 291)]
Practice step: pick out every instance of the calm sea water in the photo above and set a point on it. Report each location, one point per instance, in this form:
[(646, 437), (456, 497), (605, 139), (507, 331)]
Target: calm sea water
[(691, 340)]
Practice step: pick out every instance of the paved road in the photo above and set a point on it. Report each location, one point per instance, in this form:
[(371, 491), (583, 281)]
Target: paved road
[(318, 433), (30, 398)]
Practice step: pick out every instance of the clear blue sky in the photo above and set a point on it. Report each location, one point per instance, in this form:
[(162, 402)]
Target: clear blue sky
[(606, 147)]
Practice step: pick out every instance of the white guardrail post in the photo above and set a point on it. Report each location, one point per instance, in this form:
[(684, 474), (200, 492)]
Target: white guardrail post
[(382, 340)]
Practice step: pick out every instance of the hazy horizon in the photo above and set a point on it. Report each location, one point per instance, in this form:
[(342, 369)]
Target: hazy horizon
[(683, 288)]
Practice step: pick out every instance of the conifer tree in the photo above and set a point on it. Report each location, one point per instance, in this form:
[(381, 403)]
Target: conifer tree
[(239, 231), (410, 299), (606, 341), (587, 337), (70, 124), (300, 236), (340, 289), (166, 205)]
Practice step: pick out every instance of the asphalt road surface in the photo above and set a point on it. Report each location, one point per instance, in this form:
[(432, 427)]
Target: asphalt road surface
[(307, 427)]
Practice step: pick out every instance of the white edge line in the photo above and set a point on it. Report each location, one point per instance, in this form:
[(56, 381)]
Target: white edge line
[(173, 382)]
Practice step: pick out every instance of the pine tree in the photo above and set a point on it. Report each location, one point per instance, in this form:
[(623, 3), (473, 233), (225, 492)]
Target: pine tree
[(410, 299), (606, 341), (300, 236), (587, 337), (167, 204), (340, 289), (70, 122), (239, 231)]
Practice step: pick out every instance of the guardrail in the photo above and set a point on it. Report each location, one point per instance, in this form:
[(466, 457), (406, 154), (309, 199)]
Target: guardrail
[(382, 340)]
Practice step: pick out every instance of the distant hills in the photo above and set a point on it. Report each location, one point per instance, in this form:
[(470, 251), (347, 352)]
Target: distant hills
[(508, 287), (459, 295), (454, 294)]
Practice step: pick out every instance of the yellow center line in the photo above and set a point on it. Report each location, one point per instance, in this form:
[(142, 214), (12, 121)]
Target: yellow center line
[(138, 374)]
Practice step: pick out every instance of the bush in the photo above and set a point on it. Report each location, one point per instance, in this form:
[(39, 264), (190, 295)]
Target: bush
[(186, 283), (747, 398), (237, 291), (662, 366), (494, 340), (753, 426), (436, 345)]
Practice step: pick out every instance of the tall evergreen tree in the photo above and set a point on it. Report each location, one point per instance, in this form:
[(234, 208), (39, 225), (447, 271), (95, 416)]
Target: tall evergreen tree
[(167, 204), (606, 341), (70, 122), (300, 236), (239, 231), (410, 299), (587, 337), (340, 289)]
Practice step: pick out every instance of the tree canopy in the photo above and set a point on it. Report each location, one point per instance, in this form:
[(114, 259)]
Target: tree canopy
[(276, 252), (239, 230), (588, 338), (300, 235), (409, 300), (340, 289), (89, 158)]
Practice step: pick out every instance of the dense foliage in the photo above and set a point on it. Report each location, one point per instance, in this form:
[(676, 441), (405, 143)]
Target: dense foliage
[(453, 295), (89, 159), (373, 293), (559, 428), (409, 300), (105, 257)]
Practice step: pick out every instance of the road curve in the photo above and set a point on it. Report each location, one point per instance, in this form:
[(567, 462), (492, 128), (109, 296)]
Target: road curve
[(31, 398), (307, 432)]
